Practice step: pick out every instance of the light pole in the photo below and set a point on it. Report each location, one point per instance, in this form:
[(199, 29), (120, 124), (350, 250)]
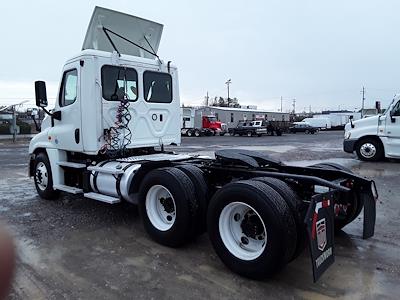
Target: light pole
[(228, 82)]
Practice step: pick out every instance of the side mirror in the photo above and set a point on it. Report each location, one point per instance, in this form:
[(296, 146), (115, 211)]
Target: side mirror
[(40, 93), (351, 117)]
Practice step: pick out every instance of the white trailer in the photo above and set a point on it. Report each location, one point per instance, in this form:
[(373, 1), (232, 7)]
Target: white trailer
[(118, 106), (338, 119), (321, 123)]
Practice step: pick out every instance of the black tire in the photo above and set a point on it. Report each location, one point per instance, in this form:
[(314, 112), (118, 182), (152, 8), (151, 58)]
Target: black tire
[(249, 133), (189, 133), (364, 150), (196, 175), (182, 190), (48, 192), (275, 214), (197, 133), (357, 205), (306, 132), (296, 207)]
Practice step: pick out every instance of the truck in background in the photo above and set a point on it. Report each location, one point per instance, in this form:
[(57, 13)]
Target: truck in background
[(320, 123), (375, 137), (338, 120), (194, 123)]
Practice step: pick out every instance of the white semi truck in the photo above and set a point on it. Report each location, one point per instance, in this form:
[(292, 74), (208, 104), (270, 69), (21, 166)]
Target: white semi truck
[(376, 137), (116, 110)]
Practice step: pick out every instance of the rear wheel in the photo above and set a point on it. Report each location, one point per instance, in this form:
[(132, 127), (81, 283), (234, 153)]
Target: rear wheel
[(168, 205), (307, 132), (251, 228), (296, 207), (197, 133), (190, 132), (249, 133), (43, 178), (369, 150), (196, 175)]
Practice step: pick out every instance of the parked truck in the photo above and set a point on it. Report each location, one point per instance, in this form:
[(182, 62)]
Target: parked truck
[(255, 128), (196, 124), (116, 110), (375, 137)]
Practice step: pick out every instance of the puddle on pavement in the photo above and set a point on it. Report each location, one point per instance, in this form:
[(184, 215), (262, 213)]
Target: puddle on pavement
[(3, 208)]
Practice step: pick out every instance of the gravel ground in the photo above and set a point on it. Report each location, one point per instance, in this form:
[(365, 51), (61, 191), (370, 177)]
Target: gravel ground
[(79, 248)]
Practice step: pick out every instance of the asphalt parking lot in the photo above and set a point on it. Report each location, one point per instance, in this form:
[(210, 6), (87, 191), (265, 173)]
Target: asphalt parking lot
[(79, 248)]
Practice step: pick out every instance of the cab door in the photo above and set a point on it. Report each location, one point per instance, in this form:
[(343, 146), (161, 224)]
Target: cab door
[(392, 148), (66, 133)]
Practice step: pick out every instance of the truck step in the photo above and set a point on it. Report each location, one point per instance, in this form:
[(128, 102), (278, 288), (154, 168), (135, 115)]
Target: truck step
[(102, 198), (68, 189), (71, 164), (106, 170)]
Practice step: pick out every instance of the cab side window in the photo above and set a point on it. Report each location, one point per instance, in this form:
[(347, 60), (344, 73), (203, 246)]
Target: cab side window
[(157, 87), (396, 109), (69, 88), (119, 83)]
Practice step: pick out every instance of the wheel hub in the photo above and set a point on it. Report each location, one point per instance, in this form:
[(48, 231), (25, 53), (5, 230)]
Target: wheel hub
[(41, 176), (168, 204), (160, 207), (368, 150), (252, 226), (242, 230)]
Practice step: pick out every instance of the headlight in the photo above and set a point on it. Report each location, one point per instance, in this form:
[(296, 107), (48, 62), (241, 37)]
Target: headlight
[(347, 135)]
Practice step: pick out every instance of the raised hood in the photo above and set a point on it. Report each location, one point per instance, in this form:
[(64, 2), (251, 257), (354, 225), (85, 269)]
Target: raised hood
[(130, 27)]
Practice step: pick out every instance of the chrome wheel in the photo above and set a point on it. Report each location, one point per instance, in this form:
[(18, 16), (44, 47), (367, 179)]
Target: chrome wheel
[(242, 231), (42, 177), (160, 207), (368, 150)]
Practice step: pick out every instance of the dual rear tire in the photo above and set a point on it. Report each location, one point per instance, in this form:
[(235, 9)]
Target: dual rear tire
[(173, 202), (251, 228), (255, 226)]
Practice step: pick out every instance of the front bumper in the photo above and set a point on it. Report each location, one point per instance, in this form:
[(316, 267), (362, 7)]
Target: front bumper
[(348, 145)]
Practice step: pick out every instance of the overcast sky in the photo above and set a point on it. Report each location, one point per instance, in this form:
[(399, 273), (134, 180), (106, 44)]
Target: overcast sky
[(319, 52)]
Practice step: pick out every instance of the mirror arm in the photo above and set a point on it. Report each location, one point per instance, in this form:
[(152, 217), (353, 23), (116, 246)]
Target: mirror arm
[(54, 116)]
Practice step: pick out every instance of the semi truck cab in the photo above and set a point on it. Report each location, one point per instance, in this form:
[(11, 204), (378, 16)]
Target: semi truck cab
[(377, 137), (118, 105)]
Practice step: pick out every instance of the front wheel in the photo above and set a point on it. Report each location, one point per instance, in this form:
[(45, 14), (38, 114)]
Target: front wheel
[(369, 150), (249, 133), (197, 133), (44, 178)]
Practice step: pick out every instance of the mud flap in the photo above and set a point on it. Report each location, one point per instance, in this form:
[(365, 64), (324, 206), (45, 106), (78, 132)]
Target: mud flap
[(320, 228)]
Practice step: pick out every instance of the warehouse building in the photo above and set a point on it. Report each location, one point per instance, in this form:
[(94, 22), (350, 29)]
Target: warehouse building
[(231, 116)]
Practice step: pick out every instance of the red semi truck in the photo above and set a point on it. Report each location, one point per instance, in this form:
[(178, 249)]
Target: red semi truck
[(195, 124)]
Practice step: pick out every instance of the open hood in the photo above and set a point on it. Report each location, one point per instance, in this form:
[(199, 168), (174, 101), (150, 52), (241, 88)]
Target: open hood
[(130, 27)]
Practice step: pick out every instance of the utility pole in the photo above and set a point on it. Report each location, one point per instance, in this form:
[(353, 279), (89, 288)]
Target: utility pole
[(294, 106), (363, 101), (14, 123), (281, 103), (207, 99), (228, 82)]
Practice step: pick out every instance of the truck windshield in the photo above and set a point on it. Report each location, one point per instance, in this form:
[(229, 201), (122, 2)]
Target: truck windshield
[(212, 119)]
